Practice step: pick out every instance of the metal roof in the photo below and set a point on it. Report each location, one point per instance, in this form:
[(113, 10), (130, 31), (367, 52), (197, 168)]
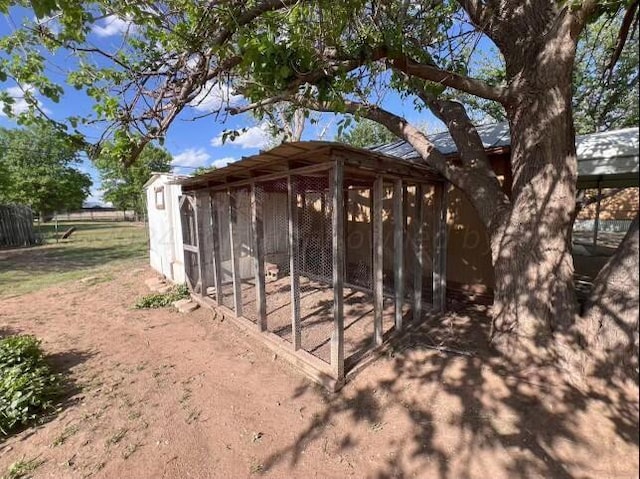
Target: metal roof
[(610, 157)]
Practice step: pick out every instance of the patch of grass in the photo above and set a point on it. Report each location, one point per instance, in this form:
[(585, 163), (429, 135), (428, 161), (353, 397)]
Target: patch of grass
[(117, 437), (161, 300), (22, 469), (92, 248), (28, 386), (66, 434)]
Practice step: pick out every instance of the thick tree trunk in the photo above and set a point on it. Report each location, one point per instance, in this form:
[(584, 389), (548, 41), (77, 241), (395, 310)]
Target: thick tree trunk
[(609, 326), (534, 290)]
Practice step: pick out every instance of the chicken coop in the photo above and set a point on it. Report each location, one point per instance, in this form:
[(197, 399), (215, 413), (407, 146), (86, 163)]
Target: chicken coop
[(320, 250)]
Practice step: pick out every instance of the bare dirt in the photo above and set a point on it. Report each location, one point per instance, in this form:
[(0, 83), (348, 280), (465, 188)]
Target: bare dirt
[(157, 394)]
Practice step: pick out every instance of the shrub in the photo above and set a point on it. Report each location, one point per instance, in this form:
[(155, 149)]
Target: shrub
[(161, 300), (28, 386)]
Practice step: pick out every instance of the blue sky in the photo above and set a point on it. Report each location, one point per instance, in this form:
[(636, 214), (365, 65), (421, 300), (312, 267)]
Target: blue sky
[(192, 143)]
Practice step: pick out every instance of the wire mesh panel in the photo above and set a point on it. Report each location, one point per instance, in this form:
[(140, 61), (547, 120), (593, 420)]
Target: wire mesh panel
[(243, 249), (189, 240), (220, 204), (271, 199), (358, 227), (312, 200), (410, 246)]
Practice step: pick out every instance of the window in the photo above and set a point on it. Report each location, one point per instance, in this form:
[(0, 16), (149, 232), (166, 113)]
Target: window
[(159, 191)]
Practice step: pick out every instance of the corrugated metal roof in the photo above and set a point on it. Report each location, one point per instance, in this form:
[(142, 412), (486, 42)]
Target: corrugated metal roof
[(599, 154)]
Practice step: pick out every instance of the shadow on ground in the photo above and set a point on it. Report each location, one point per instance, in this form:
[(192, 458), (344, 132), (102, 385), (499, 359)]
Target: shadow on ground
[(466, 412)]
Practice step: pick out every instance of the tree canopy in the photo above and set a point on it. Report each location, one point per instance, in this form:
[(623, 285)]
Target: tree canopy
[(37, 166), (366, 133), (123, 186)]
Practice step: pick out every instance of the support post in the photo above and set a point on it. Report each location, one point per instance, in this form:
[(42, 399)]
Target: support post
[(418, 265), (398, 251), (294, 269), (440, 248), (257, 232), (235, 255), (337, 337), (596, 224), (215, 222), (378, 241)]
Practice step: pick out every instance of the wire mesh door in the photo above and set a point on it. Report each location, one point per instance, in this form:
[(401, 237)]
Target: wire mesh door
[(190, 241), (243, 251)]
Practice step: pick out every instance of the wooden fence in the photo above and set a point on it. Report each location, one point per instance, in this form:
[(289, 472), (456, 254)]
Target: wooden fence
[(16, 226)]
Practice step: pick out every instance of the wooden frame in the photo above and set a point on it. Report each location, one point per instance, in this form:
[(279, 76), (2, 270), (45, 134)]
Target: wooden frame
[(235, 254), (257, 236), (160, 205), (398, 251), (440, 248), (378, 247), (294, 267), (337, 212), (418, 265)]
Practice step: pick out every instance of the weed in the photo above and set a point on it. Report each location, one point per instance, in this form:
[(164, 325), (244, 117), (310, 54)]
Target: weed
[(256, 468), (161, 300), (131, 448), (28, 386), (22, 469), (66, 434), (117, 437)]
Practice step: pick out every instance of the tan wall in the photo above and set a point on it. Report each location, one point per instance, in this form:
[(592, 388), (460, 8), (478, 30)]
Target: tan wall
[(621, 206)]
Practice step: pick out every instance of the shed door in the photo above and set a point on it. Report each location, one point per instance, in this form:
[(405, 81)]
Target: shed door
[(189, 221)]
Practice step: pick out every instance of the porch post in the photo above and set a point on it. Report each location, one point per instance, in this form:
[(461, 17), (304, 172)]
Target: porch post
[(336, 187)]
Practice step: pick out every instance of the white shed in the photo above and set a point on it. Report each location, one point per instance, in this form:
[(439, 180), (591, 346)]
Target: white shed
[(165, 232)]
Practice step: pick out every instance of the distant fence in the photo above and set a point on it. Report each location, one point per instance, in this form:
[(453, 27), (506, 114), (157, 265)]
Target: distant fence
[(96, 215), (16, 226), (608, 226)]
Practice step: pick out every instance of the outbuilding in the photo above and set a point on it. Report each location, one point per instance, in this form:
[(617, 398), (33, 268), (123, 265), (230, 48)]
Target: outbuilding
[(165, 234)]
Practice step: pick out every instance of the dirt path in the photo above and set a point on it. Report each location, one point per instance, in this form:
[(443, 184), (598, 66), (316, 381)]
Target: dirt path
[(164, 395)]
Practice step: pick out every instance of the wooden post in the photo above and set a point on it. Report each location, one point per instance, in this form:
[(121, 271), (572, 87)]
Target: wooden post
[(398, 251), (337, 337), (596, 224), (235, 255), (294, 270), (378, 241), (204, 239), (257, 231), (440, 247), (418, 266), (215, 221)]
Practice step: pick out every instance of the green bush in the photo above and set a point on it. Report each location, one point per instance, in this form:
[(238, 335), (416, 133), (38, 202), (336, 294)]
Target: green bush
[(161, 300), (28, 386)]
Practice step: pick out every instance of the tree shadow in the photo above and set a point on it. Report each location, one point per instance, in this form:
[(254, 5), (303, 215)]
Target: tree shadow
[(463, 411)]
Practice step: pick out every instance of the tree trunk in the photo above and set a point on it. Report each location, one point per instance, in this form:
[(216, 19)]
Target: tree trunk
[(609, 326), (534, 291)]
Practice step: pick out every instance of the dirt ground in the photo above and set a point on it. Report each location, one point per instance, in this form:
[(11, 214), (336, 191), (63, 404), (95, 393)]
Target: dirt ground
[(157, 394)]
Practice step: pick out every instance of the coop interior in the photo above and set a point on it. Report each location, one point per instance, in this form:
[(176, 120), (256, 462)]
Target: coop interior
[(296, 227)]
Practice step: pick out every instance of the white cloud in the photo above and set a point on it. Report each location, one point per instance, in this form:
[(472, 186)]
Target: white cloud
[(214, 96), (20, 104), (113, 25), (254, 137), (222, 162), (191, 157)]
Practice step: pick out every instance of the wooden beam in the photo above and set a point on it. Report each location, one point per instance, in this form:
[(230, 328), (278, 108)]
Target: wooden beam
[(398, 251), (336, 186), (440, 248), (418, 266), (235, 254), (294, 267), (596, 223), (257, 233), (217, 272), (378, 243)]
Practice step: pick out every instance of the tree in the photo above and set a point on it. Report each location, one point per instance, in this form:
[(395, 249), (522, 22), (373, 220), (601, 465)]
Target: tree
[(604, 98), (366, 133), (123, 185), (341, 57), (37, 168)]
